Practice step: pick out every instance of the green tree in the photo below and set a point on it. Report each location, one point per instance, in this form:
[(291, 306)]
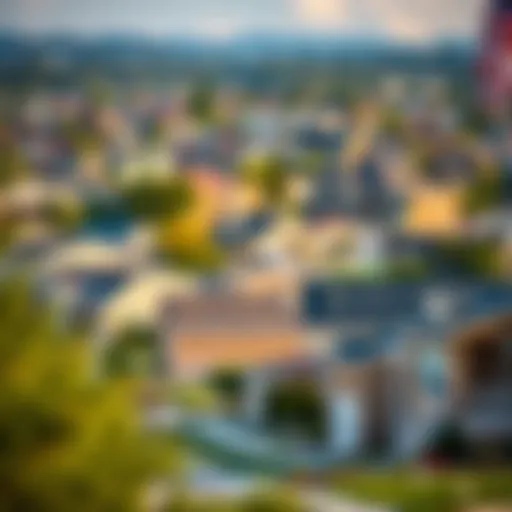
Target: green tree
[(470, 258), (67, 441), (270, 174), (393, 124), (200, 102), (12, 165), (483, 194), (82, 135), (297, 405), (64, 216), (228, 383), (132, 353), (7, 233), (155, 200)]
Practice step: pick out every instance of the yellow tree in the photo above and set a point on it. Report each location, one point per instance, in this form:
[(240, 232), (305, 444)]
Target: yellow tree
[(67, 442)]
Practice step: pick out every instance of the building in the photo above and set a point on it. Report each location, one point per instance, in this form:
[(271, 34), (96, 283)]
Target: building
[(219, 329), (406, 360), (81, 277)]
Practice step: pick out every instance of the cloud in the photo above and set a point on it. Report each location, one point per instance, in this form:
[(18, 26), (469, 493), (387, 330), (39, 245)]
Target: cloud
[(404, 19), (321, 13)]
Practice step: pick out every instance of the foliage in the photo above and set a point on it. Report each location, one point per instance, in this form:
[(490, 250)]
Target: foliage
[(7, 232), (200, 102), (467, 258), (99, 91), (187, 242), (67, 442), (203, 257), (82, 135), (280, 500), (269, 173), (155, 200), (297, 405), (275, 500), (12, 164), (476, 121), (311, 162), (194, 397), (450, 443), (132, 353), (64, 216), (228, 383), (483, 194), (407, 269), (393, 124), (415, 491)]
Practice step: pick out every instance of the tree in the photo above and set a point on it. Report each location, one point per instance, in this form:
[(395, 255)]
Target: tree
[(269, 174), (133, 353), (393, 124), (200, 102), (155, 200), (82, 135), (7, 232), (450, 445), (297, 405), (67, 442), (228, 383), (188, 242), (483, 194), (468, 258), (12, 165), (64, 216)]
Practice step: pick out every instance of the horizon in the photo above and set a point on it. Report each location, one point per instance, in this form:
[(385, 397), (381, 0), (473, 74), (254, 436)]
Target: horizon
[(404, 21)]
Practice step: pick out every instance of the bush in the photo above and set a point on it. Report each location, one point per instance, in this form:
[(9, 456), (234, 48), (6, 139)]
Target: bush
[(67, 442), (133, 353), (229, 384), (279, 500), (414, 491), (159, 199), (297, 405)]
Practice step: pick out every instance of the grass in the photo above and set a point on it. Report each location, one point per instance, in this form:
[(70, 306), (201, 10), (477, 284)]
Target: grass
[(419, 491)]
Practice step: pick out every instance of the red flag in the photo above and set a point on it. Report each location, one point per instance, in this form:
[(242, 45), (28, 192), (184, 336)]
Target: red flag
[(496, 59)]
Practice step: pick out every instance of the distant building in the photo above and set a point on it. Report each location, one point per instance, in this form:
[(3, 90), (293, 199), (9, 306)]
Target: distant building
[(363, 193)]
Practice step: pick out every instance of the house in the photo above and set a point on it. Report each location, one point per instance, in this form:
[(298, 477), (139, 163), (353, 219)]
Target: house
[(482, 380), (435, 211), (218, 329), (405, 360), (79, 278), (364, 192), (233, 232)]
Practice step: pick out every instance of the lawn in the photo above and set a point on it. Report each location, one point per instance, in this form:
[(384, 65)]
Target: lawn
[(417, 490)]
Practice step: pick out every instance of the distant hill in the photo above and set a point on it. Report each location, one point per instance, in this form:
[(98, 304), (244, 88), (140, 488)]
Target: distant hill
[(23, 58)]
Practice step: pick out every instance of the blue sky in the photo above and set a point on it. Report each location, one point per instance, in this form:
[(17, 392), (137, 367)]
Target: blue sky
[(411, 20)]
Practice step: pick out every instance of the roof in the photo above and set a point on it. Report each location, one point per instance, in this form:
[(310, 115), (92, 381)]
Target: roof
[(328, 302), (225, 330), (233, 231), (229, 312), (435, 211), (86, 257), (248, 350), (140, 300)]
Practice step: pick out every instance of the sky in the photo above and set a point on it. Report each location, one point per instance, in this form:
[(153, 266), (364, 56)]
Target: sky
[(410, 20)]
